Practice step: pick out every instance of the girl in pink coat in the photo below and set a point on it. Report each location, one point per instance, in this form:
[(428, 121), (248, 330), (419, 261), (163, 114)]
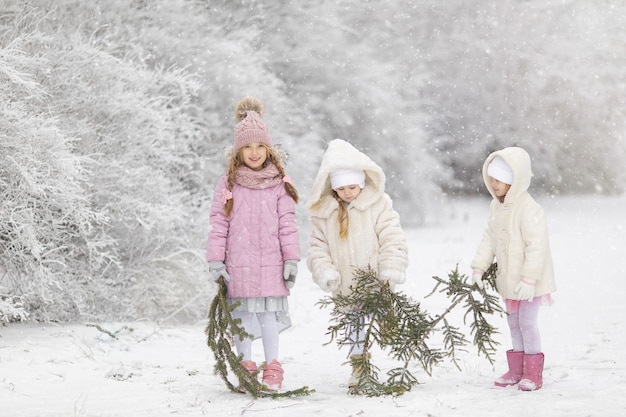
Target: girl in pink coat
[(253, 242), (516, 236)]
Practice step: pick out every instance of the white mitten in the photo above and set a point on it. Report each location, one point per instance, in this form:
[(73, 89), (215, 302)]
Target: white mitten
[(290, 270), (394, 277), (217, 269), (477, 277), (330, 280), (525, 290)]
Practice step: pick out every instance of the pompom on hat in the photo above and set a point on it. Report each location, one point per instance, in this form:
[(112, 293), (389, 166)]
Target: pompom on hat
[(343, 177), (251, 127), (500, 170)]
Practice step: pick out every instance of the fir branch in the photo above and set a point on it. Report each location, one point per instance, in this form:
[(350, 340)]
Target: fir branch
[(453, 340), (393, 321), (221, 330)]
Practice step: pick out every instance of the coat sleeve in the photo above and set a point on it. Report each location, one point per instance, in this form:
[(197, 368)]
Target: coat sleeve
[(219, 225), (288, 228), (318, 257), (485, 254), (392, 247), (535, 236)]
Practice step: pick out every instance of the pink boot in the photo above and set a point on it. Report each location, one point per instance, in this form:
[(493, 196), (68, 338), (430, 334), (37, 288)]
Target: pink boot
[(273, 375), (516, 366), (532, 378), (250, 367)]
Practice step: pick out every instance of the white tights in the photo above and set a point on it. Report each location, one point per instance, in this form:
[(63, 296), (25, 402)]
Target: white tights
[(269, 334), (523, 325)]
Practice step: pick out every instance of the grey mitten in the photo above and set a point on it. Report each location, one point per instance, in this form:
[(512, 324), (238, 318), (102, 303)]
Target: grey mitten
[(289, 272), (217, 269)]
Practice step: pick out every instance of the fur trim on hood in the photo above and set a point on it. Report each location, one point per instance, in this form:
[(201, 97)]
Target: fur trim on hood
[(340, 154), (519, 161)]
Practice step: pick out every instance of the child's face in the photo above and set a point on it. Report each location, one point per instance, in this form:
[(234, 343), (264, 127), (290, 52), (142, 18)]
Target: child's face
[(254, 155), (348, 192), (499, 188)]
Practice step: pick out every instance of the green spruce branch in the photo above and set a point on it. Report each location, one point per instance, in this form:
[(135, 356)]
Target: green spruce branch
[(221, 330), (398, 324)]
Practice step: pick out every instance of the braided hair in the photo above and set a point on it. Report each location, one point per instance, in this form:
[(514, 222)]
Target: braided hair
[(342, 217)]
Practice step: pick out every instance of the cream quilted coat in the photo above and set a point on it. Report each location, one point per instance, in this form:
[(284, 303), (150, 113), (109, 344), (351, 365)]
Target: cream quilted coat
[(375, 238), (516, 235)]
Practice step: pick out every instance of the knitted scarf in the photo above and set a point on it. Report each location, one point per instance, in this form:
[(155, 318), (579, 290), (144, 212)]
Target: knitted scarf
[(267, 177)]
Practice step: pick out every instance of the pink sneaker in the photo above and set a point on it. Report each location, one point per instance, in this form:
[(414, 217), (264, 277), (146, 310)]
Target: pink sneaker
[(273, 375)]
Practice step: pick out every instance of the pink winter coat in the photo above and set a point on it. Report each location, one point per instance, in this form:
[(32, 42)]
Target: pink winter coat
[(256, 240)]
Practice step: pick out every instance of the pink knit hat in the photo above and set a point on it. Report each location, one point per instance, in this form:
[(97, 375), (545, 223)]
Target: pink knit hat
[(251, 129)]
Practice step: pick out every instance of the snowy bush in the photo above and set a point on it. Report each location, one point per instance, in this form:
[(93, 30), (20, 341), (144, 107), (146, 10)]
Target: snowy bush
[(98, 168), (541, 75), (49, 237), (115, 115)]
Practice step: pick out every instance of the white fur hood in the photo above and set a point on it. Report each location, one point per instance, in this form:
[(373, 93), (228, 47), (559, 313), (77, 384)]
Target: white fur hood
[(341, 154), (519, 161)]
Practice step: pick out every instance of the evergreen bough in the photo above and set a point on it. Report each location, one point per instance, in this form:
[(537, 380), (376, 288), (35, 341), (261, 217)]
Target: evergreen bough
[(221, 331), (394, 322)]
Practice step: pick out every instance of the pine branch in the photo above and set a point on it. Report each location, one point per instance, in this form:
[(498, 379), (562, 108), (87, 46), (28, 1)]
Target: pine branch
[(453, 339), (221, 330), (393, 321), (457, 288)]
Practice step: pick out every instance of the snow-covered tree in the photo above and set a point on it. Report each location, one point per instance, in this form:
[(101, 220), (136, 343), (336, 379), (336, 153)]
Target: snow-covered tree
[(129, 211), (546, 76), (116, 114)]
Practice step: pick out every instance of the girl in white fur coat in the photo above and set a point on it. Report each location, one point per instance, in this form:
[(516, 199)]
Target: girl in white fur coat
[(354, 225), (516, 237)]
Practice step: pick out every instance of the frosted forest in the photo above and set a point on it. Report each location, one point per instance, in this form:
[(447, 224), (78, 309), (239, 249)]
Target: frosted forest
[(115, 115)]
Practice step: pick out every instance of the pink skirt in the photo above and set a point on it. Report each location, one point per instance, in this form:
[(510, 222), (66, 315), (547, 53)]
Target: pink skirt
[(512, 306)]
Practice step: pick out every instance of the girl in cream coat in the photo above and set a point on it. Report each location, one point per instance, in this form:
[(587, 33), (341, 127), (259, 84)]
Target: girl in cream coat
[(354, 225), (516, 237)]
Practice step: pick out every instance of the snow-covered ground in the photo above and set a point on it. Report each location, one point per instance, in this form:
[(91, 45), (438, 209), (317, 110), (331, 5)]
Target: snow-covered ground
[(153, 369)]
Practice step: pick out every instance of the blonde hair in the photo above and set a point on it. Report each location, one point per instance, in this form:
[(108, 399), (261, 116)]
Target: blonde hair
[(236, 161), (242, 108), (342, 217)]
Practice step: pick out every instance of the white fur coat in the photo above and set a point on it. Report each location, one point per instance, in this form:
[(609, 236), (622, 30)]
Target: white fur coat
[(375, 237)]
